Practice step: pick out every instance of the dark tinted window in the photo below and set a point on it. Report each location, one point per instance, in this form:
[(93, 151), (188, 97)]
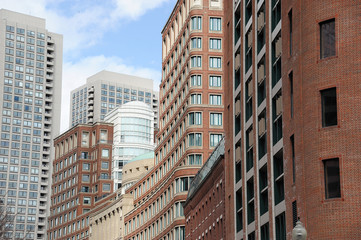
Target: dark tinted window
[(329, 107), (327, 38)]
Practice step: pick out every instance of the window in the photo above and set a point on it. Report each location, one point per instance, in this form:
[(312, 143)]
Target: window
[(196, 80), (332, 178), (215, 24), (215, 43), (195, 118), (85, 178), (214, 139), (216, 119), (196, 42), (194, 139), (196, 23), (290, 30), (105, 165), (290, 77), (195, 159), (215, 99), (196, 61), (215, 81), (281, 227), (196, 99), (86, 166), (329, 107), (106, 186), (215, 62), (292, 140), (87, 200), (105, 153), (327, 38)]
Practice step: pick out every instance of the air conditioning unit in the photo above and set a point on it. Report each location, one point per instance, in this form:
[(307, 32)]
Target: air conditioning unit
[(237, 61), (250, 39), (250, 138), (238, 154), (260, 21), (278, 47), (279, 105), (237, 107), (261, 126), (260, 73), (250, 88)]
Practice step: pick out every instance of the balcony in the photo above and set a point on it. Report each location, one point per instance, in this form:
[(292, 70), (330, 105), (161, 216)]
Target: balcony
[(48, 76), (50, 47), (49, 62)]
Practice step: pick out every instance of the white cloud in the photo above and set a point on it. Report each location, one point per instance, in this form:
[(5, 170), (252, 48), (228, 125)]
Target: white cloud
[(135, 8), (75, 75), (82, 22)]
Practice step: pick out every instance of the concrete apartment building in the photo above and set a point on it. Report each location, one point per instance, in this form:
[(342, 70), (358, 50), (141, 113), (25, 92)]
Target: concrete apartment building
[(133, 135), (81, 179), (31, 70), (107, 90), (294, 128), (191, 118)]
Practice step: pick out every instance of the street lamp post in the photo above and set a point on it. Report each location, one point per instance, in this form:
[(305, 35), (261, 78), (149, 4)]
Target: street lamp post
[(299, 232)]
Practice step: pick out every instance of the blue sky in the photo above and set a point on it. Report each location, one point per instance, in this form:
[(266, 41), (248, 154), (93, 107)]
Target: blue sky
[(117, 35)]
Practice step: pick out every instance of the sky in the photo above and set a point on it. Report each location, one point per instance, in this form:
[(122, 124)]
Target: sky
[(116, 35)]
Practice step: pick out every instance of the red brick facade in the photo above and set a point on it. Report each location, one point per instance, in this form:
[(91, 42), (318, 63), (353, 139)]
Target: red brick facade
[(205, 207), (229, 218), (158, 196), (81, 178), (339, 217)]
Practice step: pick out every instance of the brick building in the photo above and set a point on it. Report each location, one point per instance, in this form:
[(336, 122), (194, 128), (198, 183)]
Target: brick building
[(321, 72), (81, 178), (205, 208), (191, 118), (294, 128)]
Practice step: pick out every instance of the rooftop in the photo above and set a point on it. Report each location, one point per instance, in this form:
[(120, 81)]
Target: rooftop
[(203, 173)]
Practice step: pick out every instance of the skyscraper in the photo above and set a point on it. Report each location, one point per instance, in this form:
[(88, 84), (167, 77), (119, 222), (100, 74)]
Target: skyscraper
[(107, 90), (191, 118), (31, 60)]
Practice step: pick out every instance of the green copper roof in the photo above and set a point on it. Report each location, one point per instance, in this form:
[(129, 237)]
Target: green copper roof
[(143, 156)]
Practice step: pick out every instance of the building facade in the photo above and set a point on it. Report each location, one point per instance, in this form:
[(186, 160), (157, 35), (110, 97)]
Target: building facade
[(30, 86), (259, 206), (191, 118), (295, 81), (133, 135), (81, 178), (321, 74), (107, 221), (205, 206), (136, 168), (107, 90)]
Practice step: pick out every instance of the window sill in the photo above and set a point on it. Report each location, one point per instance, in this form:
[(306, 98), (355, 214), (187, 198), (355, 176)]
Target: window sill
[(326, 59)]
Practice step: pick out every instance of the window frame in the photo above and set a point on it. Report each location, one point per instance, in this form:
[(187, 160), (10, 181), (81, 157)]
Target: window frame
[(326, 193), (323, 111), (322, 51)]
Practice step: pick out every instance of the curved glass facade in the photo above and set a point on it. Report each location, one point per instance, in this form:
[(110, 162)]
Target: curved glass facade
[(136, 130), (130, 151)]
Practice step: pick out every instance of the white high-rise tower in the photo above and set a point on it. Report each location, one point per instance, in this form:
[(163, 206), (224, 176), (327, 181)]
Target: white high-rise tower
[(30, 88)]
